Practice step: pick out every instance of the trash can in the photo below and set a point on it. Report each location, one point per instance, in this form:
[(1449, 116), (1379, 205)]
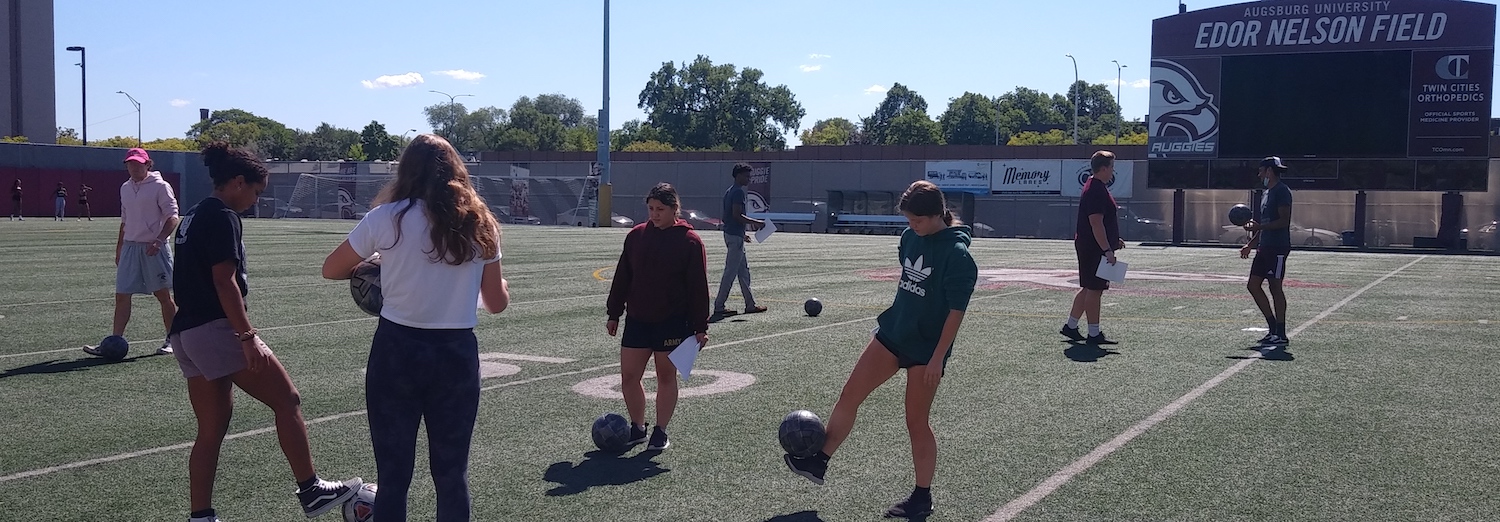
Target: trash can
[(1349, 239)]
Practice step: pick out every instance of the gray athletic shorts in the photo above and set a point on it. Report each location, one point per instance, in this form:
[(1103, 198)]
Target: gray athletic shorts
[(210, 351), (139, 273)]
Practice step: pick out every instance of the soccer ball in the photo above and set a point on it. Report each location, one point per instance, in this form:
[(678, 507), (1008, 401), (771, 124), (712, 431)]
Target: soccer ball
[(114, 347), (361, 507), (801, 434), (611, 432), (1239, 215), (813, 307), (364, 285)]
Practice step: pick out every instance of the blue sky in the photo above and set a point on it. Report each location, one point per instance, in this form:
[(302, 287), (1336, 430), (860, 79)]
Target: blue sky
[(346, 63)]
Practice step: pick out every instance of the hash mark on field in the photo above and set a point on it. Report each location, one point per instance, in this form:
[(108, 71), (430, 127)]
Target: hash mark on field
[(520, 357), (1065, 475), (1481, 321), (1402, 318), (1179, 307)]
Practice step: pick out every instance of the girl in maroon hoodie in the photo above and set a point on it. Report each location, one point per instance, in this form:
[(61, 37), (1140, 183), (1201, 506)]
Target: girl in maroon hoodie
[(662, 280)]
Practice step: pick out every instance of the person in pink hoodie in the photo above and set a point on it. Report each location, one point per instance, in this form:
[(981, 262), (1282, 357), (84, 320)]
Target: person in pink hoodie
[(143, 256), (662, 282)]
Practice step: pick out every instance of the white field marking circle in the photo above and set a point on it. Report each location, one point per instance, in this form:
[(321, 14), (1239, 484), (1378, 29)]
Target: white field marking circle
[(491, 370), (608, 386), (1254, 329)]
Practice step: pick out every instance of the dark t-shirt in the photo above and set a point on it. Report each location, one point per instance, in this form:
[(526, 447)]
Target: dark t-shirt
[(732, 223), (210, 234), (1096, 199), (1276, 197), (62, 193), (15, 193)]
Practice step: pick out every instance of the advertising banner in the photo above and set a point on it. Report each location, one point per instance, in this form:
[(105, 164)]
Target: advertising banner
[(1079, 172), (1184, 109), (1450, 103), (960, 176), (1026, 177), (758, 193), (520, 190)]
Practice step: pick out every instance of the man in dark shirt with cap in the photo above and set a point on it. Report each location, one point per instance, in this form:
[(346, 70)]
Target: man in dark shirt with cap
[(1272, 241)]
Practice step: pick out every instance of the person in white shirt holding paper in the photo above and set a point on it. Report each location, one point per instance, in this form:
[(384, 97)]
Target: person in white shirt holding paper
[(662, 281), (1097, 239)]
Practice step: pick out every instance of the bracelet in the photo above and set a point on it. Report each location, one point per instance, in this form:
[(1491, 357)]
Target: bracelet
[(247, 335)]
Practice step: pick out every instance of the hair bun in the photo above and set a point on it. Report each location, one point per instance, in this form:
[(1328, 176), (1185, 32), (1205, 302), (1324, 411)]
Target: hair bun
[(215, 153)]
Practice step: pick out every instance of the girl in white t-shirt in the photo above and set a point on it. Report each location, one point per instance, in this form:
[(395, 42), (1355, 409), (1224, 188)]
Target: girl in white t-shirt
[(439, 248)]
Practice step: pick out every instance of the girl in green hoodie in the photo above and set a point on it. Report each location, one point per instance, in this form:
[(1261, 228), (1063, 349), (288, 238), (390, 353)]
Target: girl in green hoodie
[(915, 333)]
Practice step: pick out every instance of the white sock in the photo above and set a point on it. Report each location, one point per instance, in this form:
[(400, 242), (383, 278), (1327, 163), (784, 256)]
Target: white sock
[(1073, 323), (1093, 329)]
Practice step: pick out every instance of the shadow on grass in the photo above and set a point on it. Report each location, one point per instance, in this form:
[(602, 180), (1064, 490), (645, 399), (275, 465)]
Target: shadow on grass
[(60, 366), (1086, 353), (800, 516), (600, 468), (1278, 354)]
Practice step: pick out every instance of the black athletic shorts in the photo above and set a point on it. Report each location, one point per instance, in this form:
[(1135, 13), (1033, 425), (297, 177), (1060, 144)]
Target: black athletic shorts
[(657, 336), (905, 361), (1270, 263), (1088, 269)]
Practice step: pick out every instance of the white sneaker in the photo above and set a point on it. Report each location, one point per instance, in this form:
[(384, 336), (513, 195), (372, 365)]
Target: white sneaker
[(166, 348), (205, 519)]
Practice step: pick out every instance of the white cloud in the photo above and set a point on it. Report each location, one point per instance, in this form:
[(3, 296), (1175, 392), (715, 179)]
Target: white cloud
[(1140, 84), (460, 74), (875, 89), (179, 102), (399, 80), (810, 68), (816, 56)]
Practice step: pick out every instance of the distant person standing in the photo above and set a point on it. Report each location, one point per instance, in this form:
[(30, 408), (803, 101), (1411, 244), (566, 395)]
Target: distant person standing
[(143, 261), (1272, 242), (83, 202), (1095, 242), (60, 205), (736, 266), (15, 201)]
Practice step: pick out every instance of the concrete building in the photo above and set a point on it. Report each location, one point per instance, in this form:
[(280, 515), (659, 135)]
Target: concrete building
[(28, 85)]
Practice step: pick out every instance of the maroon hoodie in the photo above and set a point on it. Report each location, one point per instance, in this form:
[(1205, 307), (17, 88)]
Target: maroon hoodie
[(662, 274)]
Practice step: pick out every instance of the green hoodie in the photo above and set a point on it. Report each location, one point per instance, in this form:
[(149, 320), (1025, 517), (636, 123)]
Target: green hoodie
[(937, 275)]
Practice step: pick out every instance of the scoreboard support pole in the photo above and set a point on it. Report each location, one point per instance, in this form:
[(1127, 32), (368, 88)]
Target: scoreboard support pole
[(1179, 216), (1361, 199)]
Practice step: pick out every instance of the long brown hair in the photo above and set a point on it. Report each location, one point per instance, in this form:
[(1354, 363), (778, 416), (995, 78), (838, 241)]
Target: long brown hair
[(462, 226), (923, 198)]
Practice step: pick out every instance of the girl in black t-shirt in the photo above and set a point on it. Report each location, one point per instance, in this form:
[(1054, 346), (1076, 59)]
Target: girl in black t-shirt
[(61, 195), (217, 348)]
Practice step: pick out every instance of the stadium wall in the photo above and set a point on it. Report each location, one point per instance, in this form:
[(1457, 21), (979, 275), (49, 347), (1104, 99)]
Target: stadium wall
[(41, 166)]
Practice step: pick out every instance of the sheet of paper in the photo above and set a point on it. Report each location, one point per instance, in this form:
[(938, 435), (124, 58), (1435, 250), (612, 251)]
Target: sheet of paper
[(684, 356), (1115, 272), (765, 232)]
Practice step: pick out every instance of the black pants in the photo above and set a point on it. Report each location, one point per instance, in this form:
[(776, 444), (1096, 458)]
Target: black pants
[(417, 375)]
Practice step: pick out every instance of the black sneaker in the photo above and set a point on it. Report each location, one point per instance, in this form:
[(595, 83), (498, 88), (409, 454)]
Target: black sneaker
[(327, 495), (811, 468), (1270, 338), (658, 439), (1100, 339), (910, 508), (637, 435), (1277, 340), (1071, 333)]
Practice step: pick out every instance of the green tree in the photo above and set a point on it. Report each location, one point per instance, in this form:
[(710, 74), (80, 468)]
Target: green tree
[(971, 119), (1022, 107), (1051, 137), (703, 106), (264, 136), (567, 110), (648, 146), (325, 143), (898, 100), (913, 127), (356, 152), (68, 136), (466, 131), (514, 139), (832, 131), (179, 144), (119, 142), (14, 139), (547, 128), (633, 131), (378, 144), (1132, 138), (581, 138)]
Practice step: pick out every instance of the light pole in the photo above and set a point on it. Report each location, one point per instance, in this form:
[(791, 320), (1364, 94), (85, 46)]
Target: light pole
[(1075, 97), (1121, 114), (137, 116), (451, 113), (83, 89)]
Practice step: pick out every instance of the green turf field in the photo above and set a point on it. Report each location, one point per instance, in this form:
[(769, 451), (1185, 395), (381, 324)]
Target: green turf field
[(1383, 408)]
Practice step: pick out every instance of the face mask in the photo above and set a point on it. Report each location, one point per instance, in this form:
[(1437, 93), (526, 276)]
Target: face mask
[(1265, 182)]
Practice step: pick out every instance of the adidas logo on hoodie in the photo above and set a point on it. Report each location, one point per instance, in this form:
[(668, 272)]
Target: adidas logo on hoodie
[(914, 273)]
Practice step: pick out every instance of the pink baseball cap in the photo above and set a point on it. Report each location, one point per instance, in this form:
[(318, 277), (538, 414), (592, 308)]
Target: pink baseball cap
[(138, 156)]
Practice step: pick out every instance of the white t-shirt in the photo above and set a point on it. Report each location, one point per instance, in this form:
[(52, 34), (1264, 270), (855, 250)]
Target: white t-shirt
[(417, 291)]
